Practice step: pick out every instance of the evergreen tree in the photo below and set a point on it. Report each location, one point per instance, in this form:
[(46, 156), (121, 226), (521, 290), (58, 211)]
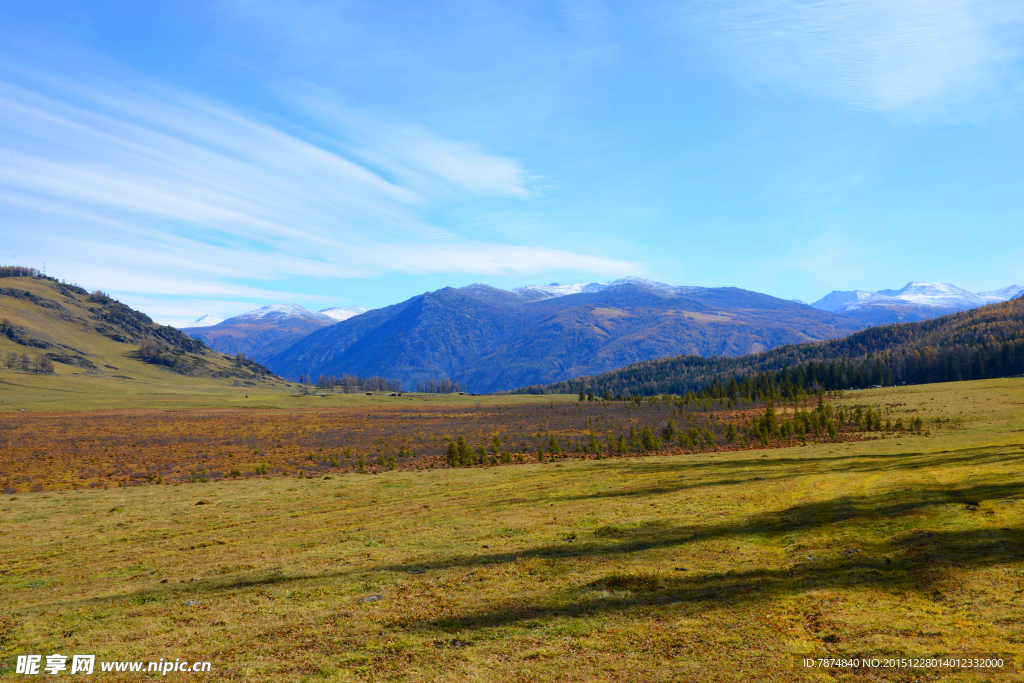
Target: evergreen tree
[(730, 433)]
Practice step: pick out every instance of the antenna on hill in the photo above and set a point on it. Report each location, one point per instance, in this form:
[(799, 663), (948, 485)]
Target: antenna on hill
[(44, 268)]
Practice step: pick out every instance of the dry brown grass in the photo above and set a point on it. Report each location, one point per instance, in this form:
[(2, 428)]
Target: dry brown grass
[(691, 567)]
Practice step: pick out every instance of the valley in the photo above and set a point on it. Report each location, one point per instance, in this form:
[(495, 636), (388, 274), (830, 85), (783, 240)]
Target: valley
[(691, 566)]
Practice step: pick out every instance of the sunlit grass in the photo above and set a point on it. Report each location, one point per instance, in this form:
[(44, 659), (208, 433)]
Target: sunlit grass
[(697, 567)]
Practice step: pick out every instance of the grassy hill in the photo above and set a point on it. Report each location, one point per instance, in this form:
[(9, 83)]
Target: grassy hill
[(981, 343), (726, 566), (95, 343)]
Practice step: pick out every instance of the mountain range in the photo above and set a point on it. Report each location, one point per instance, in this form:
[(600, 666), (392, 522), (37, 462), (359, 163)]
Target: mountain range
[(264, 332), (981, 343), (490, 339), (916, 301)]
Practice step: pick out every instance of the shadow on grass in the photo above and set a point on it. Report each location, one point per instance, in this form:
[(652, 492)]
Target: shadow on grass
[(910, 563), (701, 474), (902, 562), (771, 524)]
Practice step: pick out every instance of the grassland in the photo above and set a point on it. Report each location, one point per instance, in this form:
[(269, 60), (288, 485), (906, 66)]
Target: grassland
[(722, 566)]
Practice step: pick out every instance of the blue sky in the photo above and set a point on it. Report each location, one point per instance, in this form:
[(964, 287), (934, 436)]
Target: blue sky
[(208, 158)]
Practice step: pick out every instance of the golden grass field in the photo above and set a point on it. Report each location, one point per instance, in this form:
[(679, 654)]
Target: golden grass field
[(723, 566)]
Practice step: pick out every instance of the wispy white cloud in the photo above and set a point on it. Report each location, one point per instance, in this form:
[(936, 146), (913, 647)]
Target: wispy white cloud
[(886, 55), (411, 153), (149, 190)]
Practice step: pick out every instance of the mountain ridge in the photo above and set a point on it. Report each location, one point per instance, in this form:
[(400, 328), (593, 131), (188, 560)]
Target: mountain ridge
[(914, 302), (490, 339), (981, 343)]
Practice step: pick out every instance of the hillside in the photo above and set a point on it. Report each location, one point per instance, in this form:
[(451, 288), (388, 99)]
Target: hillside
[(94, 336), (489, 339), (262, 333), (981, 343)]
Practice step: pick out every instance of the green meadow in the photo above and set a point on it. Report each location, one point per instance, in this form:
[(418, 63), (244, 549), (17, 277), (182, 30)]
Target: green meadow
[(728, 566)]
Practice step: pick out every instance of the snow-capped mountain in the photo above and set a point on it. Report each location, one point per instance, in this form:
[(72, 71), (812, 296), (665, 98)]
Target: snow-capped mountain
[(837, 301), (916, 301), (340, 313), (205, 321), (263, 332), (282, 312), (537, 292), (1004, 294)]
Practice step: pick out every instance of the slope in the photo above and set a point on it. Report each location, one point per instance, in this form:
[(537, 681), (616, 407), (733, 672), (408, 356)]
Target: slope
[(95, 339)]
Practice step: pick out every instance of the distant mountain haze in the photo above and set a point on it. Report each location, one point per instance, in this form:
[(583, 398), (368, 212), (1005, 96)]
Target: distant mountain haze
[(344, 312), (916, 301), (206, 321), (262, 333), (490, 339)]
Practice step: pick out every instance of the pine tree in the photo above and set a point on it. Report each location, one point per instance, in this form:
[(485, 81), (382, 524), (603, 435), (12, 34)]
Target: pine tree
[(730, 433)]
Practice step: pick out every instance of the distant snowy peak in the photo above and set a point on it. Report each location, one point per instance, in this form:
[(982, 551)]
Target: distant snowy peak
[(1020, 296), (555, 290), (205, 321), (839, 301), (1004, 294), (284, 311), (538, 292), (340, 313), (937, 295)]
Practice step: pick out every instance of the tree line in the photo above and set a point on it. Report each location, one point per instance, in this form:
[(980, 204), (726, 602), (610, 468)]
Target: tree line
[(442, 386), (982, 343), (351, 384), (19, 271)]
